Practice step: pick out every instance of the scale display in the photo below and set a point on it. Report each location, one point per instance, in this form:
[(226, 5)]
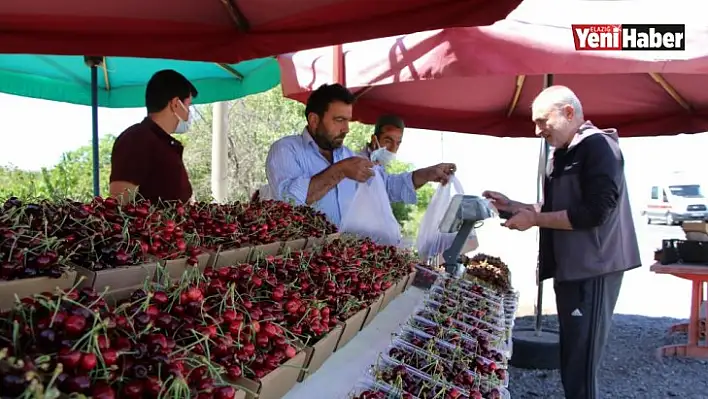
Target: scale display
[(463, 215), (465, 208)]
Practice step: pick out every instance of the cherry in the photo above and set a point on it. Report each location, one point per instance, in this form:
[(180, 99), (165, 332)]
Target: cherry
[(74, 325), (70, 359), (101, 390), (88, 361), (133, 389), (227, 392)]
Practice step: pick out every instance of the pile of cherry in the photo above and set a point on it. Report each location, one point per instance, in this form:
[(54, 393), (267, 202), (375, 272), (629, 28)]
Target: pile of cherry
[(194, 337), (47, 237), (489, 269), (456, 345)]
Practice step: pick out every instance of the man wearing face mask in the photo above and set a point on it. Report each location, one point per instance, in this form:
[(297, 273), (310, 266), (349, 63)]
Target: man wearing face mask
[(387, 137), (315, 168), (146, 159)]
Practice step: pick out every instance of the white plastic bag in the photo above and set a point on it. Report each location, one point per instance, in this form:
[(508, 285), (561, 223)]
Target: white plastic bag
[(431, 242), (370, 215)]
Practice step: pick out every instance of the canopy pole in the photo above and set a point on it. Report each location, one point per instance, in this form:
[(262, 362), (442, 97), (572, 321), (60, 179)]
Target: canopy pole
[(517, 94), (338, 65), (670, 90), (219, 151), (543, 161), (94, 63)]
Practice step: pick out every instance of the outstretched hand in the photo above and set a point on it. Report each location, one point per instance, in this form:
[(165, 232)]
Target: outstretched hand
[(500, 201), (522, 220)]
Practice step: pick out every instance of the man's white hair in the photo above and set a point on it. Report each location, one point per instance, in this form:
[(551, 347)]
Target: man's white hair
[(558, 96)]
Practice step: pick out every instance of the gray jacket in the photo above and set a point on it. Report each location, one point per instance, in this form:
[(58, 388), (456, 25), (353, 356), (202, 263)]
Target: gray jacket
[(587, 180)]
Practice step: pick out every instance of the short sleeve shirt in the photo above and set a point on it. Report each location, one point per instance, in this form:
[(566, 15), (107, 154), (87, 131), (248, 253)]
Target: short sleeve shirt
[(147, 156)]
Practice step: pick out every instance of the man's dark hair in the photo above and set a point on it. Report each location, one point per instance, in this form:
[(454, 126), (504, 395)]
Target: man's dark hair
[(164, 86), (388, 120), (321, 98)]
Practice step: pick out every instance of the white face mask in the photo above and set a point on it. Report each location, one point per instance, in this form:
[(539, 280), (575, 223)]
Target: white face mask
[(183, 126), (382, 156)]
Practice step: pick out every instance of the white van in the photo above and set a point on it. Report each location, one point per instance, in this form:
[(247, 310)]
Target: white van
[(675, 203)]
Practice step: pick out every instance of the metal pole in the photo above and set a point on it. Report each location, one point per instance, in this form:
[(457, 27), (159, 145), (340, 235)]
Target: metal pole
[(545, 149), (94, 62)]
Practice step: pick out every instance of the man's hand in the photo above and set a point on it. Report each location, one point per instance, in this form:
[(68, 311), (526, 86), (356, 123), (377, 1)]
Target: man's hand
[(522, 220), (439, 173), (500, 201), (356, 168)]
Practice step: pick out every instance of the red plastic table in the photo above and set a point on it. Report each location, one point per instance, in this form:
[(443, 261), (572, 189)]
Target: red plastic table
[(698, 275)]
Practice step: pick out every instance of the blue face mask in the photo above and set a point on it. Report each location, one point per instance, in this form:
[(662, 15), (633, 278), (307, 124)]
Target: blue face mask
[(183, 126)]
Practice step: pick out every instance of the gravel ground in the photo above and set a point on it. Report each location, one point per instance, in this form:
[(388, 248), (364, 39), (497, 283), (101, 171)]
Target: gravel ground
[(630, 368)]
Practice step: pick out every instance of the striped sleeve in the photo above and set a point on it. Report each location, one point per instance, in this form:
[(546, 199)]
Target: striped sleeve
[(400, 187), (286, 177)]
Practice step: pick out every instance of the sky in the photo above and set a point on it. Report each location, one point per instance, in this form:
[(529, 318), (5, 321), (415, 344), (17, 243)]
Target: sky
[(36, 132)]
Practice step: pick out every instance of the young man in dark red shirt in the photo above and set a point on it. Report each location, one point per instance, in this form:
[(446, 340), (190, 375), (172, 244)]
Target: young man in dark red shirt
[(146, 159)]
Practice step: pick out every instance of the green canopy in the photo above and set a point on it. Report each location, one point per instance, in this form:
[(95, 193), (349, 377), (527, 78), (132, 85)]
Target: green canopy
[(122, 80)]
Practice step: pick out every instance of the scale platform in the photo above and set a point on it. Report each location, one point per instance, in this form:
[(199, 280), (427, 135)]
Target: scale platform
[(464, 213)]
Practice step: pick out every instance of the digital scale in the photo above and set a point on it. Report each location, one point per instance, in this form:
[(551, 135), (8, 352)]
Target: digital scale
[(464, 213)]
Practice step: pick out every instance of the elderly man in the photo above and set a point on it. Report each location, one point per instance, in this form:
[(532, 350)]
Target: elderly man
[(387, 137), (587, 238), (315, 168)]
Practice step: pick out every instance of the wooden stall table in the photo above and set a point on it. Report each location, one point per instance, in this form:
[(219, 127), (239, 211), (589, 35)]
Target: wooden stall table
[(698, 275)]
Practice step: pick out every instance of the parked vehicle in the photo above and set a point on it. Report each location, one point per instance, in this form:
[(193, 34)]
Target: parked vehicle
[(676, 202)]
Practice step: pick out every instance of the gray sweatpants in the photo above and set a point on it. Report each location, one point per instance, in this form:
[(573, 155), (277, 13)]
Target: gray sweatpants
[(585, 311)]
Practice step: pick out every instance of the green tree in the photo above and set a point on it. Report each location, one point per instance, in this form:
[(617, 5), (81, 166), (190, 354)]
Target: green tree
[(71, 177)]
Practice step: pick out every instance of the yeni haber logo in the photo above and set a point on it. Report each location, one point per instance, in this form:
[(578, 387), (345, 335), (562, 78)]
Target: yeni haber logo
[(629, 37)]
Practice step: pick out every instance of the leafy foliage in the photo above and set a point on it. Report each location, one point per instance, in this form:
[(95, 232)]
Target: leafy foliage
[(71, 177), (254, 123)]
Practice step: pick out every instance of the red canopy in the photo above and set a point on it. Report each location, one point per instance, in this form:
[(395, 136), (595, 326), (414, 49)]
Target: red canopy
[(222, 31), (483, 80)]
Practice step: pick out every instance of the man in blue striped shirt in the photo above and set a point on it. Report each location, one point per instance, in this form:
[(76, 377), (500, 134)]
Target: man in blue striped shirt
[(315, 168)]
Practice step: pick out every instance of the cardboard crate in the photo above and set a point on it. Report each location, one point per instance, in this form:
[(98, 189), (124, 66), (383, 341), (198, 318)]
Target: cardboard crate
[(294, 245), (114, 296), (28, 287), (261, 251), (313, 242), (332, 237), (352, 327), (278, 382), (411, 277), (374, 309), (175, 268), (317, 354), (232, 257), (401, 285), (116, 278), (389, 295)]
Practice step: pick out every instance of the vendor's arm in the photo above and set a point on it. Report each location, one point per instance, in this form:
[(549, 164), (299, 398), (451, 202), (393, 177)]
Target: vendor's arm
[(129, 165), (439, 173), (600, 181), (290, 182)]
